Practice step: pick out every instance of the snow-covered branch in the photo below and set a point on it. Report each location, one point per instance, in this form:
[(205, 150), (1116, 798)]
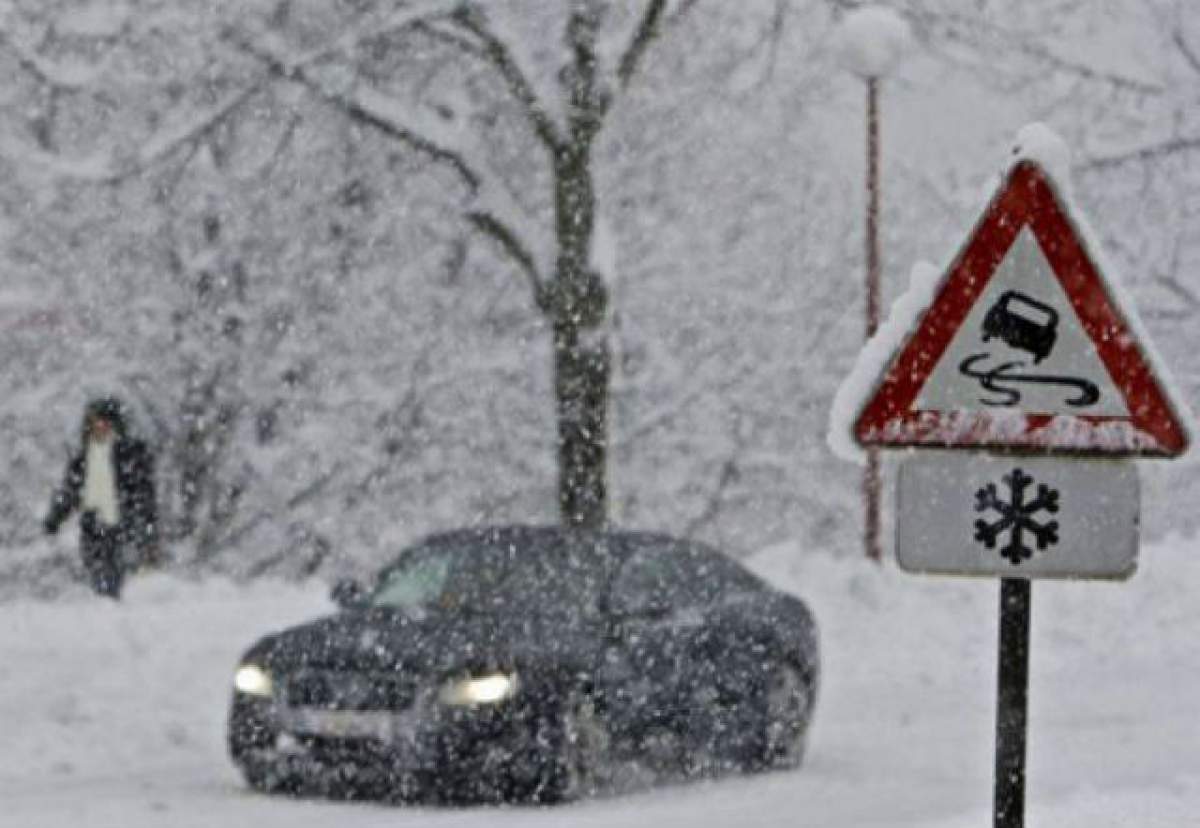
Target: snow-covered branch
[(60, 75), (109, 168), (472, 19), (508, 240), (428, 133), (1185, 49), (972, 30), (1149, 152), (647, 30), (371, 108)]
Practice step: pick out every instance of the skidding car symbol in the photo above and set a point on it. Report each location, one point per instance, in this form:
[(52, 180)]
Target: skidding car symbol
[(1022, 322)]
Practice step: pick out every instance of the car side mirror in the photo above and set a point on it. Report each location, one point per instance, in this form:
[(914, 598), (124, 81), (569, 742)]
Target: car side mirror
[(349, 594)]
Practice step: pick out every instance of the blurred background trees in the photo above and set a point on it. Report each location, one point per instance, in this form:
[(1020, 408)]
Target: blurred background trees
[(327, 249)]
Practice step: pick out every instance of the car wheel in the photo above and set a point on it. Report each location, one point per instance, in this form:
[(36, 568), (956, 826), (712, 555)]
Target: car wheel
[(584, 743), (754, 718), (788, 698), (264, 776)]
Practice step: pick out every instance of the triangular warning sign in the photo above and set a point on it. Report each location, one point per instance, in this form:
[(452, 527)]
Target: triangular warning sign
[(1023, 347)]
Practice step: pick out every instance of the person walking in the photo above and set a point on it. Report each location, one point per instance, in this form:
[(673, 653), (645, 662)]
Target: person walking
[(111, 483)]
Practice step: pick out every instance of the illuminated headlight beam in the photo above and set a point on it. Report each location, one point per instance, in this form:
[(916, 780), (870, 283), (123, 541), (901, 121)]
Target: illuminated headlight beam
[(480, 690), (253, 680)]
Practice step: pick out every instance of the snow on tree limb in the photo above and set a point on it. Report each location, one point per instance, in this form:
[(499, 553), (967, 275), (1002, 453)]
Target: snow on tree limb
[(440, 140), (491, 226), (167, 141), (647, 30), (109, 168), (55, 74), (442, 32), (371, 108), (969, 29), (471, 19), (1186, 50), (1149, 152)]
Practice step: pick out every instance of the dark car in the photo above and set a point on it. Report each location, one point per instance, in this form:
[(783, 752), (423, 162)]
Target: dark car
[(526, 663)]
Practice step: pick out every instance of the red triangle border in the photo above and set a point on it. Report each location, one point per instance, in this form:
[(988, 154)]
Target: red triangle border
[(1027, 199)]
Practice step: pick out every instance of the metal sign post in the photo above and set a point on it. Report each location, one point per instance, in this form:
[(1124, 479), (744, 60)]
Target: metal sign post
[(1024, 358), (1016, 517), (1012, 703)]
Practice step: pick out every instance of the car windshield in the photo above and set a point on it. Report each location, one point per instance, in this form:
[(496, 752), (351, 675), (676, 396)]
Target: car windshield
[(491, 575), (413, 584)]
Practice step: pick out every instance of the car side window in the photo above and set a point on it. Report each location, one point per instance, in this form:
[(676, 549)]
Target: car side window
[(657, 578), (662, 576)]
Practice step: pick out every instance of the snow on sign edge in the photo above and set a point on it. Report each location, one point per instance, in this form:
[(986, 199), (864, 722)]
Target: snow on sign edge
[(873, 360), (1037, 143)]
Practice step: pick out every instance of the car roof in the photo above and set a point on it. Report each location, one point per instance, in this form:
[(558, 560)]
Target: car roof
[(627, 540), (607, 550)]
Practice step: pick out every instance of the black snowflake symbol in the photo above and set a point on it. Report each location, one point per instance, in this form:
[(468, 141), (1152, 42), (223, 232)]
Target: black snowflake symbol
[(1016, 517)]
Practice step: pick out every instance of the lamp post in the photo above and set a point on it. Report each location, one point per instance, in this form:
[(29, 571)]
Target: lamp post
[(870, 42)]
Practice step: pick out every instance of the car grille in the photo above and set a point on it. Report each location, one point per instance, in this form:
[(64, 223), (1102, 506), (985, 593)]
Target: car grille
[(338, 690)]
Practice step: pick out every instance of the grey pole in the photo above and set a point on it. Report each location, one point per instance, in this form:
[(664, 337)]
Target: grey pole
[(871, 479)]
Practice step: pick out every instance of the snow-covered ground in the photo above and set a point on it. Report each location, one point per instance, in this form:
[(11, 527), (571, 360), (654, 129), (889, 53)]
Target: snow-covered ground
[(113, 715)]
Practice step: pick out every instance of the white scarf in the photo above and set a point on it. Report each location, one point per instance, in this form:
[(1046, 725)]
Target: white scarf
[(99, 483)]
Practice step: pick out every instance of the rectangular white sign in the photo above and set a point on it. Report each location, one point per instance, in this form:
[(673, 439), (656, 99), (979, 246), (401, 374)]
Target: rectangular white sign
[(1015, 516)]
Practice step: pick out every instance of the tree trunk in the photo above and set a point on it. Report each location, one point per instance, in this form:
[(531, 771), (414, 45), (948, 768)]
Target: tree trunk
[(577, 304), (581, 374)]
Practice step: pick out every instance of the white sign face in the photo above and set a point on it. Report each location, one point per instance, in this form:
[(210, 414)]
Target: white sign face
[(1022, 348), (1017, 517)]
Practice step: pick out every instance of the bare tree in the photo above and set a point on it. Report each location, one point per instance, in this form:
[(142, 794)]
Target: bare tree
[(566, 286)]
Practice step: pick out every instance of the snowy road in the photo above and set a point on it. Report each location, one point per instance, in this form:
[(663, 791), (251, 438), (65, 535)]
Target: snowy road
[(114, 714)]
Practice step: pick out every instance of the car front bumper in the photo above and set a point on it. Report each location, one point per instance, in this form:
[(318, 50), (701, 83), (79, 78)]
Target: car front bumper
[(498, 751)]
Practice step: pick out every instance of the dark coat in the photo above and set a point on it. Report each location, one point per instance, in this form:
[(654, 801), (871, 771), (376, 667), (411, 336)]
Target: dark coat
[(133, 468)]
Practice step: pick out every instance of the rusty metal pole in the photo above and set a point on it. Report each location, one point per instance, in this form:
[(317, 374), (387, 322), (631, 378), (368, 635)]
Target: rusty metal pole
[(871, 478)]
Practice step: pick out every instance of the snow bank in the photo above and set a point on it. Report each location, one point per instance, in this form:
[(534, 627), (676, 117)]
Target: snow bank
[(89, 687)]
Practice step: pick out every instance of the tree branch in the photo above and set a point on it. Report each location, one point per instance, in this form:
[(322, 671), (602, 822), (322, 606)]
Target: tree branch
[(45, 71), (472, 20), (166, 143), (440, 33), (1147, 153), (647, 30), (957, 27), (369, 108), (729, 475), (99, 170), (1186, 50), (510, 243), (589, 100), (376, 111), (1172, 284)]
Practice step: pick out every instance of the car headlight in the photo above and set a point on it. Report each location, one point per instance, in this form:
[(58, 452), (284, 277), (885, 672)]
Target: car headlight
[(253, 680), (479, 690)]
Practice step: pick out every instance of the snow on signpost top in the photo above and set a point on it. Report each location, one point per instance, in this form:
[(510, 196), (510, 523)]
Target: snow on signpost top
[(1041, 144), (871, 41)]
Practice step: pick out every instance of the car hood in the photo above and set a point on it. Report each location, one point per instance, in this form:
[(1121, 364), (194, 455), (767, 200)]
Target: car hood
[(383, 640)]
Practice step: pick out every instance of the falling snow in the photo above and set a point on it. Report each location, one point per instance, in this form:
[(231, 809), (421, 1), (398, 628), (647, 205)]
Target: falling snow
[(326, 252)]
